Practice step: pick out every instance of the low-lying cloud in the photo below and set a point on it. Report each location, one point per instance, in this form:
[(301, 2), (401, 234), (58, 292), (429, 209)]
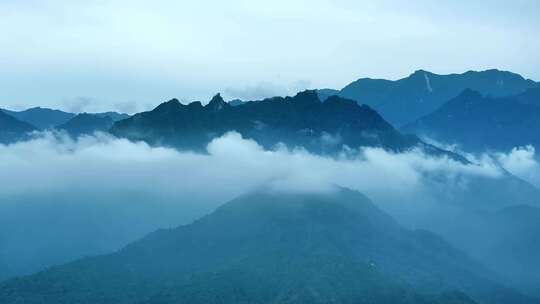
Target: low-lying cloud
[(61, 198), (521, 161), (52, 162)]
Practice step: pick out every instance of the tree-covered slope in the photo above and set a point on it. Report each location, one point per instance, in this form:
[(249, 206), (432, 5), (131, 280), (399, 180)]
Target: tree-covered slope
[(299, 121), (271, 247)]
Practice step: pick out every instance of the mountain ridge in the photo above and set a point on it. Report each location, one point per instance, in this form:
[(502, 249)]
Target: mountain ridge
[(85, 124), (12, 129), (404, 100), (43, 118), (480, 123), (302, 120)]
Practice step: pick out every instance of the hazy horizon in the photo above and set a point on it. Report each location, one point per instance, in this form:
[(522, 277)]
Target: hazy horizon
[(84, 104)]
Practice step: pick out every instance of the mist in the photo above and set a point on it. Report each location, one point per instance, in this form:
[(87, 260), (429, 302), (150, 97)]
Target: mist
[(62, 198), (522, 162), (89, 165)]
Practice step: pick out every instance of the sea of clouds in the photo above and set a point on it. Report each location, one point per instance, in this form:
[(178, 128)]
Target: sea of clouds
[(53, 162), (62, 198)]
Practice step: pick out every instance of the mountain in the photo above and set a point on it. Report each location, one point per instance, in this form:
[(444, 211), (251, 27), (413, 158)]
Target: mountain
[(43, 118), (326, 128), (12, 129), (274, 247), (480, 123), (405, 100), (115, 116), (302, 120), (86, 124), (236, 102), (325, 93), (531, 96)]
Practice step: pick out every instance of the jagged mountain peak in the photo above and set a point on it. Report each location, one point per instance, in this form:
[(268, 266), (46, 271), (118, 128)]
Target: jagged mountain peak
[(300, 120), (217, 103), (170, 105)]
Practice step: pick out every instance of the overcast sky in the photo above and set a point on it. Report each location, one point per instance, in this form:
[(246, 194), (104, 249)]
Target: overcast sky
[(131, 55)]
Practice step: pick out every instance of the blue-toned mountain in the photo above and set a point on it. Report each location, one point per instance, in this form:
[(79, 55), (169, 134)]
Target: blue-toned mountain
[(274, 247)]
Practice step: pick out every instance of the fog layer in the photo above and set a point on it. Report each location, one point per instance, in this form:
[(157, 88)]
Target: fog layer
[(61, 199)]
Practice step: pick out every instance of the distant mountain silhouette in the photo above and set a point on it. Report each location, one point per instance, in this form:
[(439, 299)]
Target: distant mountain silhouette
[(236, 102), (86, 123), (478, 123), (299, 121), (12, 129), (405, 100), (43, 118), (325, 93), (115, 116), (274, 248)]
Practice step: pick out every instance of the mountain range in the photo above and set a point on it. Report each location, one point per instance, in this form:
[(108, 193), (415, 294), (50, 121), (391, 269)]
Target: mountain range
[(41, 118), (480, 123), (405, 100), (19, 123), (85, 123), (12, 129), (274, 247), (326, 128), (299, 121), (409, 101)]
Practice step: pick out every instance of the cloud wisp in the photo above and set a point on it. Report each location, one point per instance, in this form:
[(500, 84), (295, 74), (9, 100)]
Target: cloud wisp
[(522, 162)]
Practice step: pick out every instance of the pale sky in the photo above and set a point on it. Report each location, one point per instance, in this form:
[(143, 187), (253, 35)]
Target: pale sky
[(131, 55)]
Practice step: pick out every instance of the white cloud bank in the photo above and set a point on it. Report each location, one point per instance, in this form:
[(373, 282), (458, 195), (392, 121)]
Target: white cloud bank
[(521, 161), (62, 199), (233, 165)]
